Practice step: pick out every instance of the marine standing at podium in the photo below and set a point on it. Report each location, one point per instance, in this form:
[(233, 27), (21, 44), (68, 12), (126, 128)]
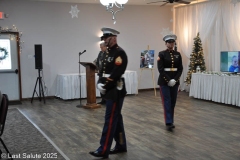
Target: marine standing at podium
[(98, 63), (170, 68), (112, 85)]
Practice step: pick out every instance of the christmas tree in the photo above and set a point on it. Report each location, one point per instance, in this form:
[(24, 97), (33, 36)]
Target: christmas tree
[(196, 59)]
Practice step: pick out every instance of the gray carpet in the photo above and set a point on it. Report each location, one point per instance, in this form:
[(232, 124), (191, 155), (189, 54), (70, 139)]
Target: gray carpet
[(24, 140)]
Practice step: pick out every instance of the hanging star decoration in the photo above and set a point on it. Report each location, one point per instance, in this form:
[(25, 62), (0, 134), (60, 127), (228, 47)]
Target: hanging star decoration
[(74, 11), (165, 31), (235, 2)]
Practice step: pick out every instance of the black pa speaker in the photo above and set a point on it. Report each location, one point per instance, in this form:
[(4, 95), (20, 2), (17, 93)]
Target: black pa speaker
[(38, 56)]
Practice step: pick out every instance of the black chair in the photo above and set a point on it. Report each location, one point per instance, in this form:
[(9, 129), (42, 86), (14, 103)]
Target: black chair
[(3, 115)]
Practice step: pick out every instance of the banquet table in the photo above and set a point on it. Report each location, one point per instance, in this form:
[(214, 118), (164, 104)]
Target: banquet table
[(68, 85), (218, 88)]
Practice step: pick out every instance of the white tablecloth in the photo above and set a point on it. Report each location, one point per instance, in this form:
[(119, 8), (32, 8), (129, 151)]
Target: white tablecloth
[(223, 89), (68, 85)]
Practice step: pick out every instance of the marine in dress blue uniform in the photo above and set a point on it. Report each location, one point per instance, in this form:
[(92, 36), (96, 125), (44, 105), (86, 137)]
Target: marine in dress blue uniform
[(99, 59), (170, 69), (112, 86), (98, 62)]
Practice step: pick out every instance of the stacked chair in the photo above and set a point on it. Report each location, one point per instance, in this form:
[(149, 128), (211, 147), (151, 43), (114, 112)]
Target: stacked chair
[(3, 115)]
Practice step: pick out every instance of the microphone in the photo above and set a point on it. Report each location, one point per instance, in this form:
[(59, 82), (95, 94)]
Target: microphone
[(82, 52)]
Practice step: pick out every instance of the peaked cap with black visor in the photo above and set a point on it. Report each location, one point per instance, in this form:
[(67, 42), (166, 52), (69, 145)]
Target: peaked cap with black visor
[(170, 38), (107, 32)]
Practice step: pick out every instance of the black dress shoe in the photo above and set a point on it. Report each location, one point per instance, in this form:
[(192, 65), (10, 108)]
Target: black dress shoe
[(170, 125), (97, 154), (115, 151)]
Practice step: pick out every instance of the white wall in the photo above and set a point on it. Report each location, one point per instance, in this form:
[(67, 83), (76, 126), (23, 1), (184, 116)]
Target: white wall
[(63, 37)]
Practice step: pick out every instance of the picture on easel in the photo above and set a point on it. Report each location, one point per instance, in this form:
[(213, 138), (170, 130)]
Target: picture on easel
[(147, 59)]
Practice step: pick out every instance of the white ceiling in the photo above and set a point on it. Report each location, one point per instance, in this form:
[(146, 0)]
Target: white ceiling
[(130, 2)]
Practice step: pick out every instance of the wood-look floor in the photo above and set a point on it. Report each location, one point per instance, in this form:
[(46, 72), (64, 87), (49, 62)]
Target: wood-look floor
[(204, 130)]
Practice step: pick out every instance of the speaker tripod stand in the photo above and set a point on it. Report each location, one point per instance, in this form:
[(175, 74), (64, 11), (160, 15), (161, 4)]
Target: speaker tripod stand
[(40, 87)]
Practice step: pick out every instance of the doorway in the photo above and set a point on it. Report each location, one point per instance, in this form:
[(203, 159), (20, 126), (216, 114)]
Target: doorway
[(10, 75)]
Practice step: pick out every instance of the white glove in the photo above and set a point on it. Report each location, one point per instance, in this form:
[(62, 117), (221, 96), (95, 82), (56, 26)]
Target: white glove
[(119, 85), (100, 88), (171, 83)]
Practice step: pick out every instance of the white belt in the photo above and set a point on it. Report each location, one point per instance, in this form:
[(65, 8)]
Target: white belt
[(106, 75), (170, 69)]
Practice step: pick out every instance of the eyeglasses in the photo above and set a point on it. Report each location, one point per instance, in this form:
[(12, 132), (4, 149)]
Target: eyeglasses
[(170, 41)]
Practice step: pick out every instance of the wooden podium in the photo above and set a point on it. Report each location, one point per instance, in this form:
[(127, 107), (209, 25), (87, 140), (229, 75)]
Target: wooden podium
[(90, 85)]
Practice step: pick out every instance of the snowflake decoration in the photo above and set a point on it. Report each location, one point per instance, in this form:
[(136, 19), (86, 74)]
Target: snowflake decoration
[(74, 11), (235, 2), (165, 31)]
